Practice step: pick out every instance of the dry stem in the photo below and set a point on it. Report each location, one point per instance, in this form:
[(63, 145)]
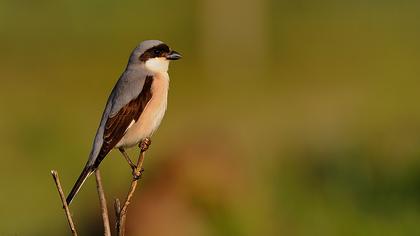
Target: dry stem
[(119, 211), (102, 203), (54, 173), (121, 214)]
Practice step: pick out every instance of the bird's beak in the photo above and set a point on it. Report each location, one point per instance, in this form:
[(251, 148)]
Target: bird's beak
[(173, 55)]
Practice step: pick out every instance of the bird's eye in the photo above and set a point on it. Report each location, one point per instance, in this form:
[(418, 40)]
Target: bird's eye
[(156, 52)]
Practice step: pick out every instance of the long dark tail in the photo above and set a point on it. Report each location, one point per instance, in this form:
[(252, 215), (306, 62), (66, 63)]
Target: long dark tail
[(88, 170)]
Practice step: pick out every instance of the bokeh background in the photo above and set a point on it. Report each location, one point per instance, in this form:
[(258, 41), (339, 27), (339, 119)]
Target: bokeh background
[(285, 117)]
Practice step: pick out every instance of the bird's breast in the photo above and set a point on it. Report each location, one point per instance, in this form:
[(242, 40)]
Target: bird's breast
[(152, 114)]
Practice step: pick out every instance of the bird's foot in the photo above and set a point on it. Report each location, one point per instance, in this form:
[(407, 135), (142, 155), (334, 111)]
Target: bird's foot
[(137, 175), (127, 158), (144, 144), (133, 167)]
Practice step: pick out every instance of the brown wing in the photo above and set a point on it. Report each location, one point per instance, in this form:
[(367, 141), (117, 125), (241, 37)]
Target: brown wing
[(116, 126)]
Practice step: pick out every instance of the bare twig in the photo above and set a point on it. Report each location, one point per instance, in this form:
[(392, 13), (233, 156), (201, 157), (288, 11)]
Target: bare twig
[(117, 208), (102, 202), (54, 173), (121, 214)]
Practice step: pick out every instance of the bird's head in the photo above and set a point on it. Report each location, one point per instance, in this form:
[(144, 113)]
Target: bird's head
[(154, 55)]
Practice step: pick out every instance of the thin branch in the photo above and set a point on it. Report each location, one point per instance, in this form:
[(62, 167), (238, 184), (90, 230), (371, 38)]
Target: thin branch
[(102, 203), (121, 215), (117, 208), (54, 173)]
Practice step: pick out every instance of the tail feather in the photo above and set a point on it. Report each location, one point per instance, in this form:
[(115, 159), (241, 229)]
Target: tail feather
[(87, 171)]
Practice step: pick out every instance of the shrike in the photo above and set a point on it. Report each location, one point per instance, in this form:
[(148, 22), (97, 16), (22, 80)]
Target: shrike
[(135, 106)]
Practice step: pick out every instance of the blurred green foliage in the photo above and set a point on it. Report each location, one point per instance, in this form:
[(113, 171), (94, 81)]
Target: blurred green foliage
[(285, 117)]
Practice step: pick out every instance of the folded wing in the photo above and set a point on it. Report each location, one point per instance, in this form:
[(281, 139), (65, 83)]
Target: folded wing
[(116, 125)]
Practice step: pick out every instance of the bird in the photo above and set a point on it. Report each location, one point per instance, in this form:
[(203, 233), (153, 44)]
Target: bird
[(135, 106)]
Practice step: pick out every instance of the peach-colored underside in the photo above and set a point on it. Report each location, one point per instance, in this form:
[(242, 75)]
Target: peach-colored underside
[(152, 114)]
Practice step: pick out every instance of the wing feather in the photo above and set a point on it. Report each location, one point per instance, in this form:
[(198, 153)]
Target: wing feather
[(117, 124)]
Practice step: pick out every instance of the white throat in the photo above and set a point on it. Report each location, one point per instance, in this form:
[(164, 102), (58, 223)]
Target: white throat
[(157, 65)]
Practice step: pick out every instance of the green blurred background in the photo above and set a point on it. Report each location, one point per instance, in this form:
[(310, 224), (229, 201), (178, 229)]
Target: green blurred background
[(285, 117)]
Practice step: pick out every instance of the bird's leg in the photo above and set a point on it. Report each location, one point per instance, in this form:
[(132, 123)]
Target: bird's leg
[(133, 167), (127, 158), (143, 145)]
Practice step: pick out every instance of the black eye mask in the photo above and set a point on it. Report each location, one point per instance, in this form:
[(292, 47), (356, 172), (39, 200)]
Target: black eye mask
[(160, 50)]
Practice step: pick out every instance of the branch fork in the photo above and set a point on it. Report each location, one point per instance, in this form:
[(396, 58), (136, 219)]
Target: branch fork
[(120, 211)]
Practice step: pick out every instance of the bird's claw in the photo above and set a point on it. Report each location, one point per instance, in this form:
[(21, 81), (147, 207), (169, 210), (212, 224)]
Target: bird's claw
[(144, 144), (137, 175)]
